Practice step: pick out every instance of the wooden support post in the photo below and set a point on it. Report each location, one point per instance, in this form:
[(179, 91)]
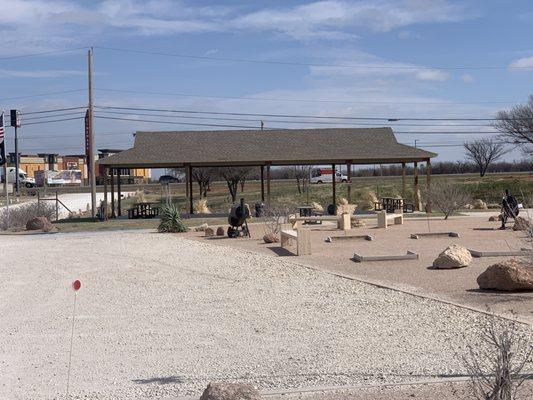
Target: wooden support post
[(428, 185), (416, 187), (119, 194), (333, 184), (404, 180), (106, 172), (349, 176), (268, 186), (191, 206), (111, 171), (263, 183)]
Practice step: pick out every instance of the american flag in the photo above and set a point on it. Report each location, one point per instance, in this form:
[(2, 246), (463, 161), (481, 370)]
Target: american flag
[(2, 127)]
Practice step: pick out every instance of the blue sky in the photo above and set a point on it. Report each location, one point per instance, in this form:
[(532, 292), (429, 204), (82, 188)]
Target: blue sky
[(396, 47)]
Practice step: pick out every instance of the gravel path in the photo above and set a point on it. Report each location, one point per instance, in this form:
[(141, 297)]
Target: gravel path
[(161, 316)]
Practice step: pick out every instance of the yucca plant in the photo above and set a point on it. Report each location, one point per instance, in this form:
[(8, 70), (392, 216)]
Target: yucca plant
[(170, 220)]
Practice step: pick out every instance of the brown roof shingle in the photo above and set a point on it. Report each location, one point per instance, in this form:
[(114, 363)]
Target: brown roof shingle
[(256, 147)]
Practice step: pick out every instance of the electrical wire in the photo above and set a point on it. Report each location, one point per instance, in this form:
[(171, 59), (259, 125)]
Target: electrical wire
[(384, 119), (56, 120), (53, 110), (294, 100), (42, 94), (44, 53), (295, 63), (176, 123), (51, 116)]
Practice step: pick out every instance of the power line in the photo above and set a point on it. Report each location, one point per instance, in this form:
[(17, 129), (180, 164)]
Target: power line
[(384, 119), (44, 53), (51, 116), (56, 120), (442, 103), (177, 123), (42, 94), (295, 63), (53, 110)]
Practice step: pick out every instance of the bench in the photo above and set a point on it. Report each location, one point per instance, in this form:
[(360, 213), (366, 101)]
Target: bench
[(384, 218), (143, 210), (343, 220), (302, 238)]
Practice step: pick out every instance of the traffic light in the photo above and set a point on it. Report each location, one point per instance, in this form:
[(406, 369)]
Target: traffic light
[(15, 118)]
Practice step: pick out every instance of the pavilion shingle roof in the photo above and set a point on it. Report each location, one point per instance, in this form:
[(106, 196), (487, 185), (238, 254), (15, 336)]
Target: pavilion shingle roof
[(255, 147)]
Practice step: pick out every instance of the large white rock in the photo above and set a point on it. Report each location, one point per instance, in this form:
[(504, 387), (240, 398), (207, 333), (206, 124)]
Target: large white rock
[(453, 256)]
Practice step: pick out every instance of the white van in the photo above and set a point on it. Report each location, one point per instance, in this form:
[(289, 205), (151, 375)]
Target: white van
[(24, 179), (323, 175)]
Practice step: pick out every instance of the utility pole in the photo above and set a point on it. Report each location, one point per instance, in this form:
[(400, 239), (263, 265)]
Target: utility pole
[(92, 169), (15, 122)]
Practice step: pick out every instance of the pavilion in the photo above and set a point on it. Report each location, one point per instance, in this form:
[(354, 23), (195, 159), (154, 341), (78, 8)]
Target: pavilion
[(264, 149)]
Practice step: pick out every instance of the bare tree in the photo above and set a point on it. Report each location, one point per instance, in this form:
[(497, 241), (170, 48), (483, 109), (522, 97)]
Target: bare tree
[(301, 174), (448, 197), (483, 152), (244, 172), (516, 125), (232, 176), (497, 365), (203, 176)]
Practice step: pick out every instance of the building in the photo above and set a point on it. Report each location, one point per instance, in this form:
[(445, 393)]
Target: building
[(30, 163)]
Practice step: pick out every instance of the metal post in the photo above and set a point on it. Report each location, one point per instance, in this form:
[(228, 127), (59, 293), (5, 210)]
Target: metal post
[(349, 177), (428, 185), (92, 171), (416, 187), (404, 180), (189, 174), (263, 183), (57, 207), (268, 186), (17, 178), (119, 194), (113, 215), (333, 184), (105, 193)]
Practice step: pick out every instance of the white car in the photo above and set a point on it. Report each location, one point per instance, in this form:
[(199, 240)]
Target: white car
[(323, 175)]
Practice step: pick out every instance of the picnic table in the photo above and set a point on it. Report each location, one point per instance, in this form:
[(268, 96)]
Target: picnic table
[(393, 204), (308, 211), (143, 210)]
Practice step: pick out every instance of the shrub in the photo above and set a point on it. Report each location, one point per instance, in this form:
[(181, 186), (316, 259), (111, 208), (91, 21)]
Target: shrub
[(171, 220), (201, 207), (448, 197), (19, 215)]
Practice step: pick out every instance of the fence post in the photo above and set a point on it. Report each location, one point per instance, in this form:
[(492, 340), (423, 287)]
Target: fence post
[(57, 207)]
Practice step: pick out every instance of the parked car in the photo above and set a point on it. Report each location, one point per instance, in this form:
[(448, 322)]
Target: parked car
[(164, 179)]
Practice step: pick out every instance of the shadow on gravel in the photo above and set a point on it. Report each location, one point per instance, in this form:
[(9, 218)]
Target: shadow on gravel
[(165, 380)]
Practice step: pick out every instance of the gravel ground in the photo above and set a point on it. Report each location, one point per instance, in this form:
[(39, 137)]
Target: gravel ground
[(159, 316)]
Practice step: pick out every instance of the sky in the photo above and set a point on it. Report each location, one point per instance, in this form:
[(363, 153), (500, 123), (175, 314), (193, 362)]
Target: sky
[(362, 59)]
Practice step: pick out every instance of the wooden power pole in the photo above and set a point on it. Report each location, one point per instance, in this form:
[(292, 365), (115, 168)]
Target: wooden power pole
[(92, 169)]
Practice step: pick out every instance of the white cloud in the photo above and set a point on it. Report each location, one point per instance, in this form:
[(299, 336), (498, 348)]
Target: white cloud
[(522, 63), (467, 78)]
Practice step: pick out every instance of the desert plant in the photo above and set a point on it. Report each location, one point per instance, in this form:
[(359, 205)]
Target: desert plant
[(139, 196), (368, 197), (19, 215), (171, 220), (200, 207), (448, 197), (497, 364), (272, 221)]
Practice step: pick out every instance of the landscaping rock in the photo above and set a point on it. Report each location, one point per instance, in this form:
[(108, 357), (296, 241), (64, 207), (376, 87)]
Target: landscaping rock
[(39, 223), (270, 238), (521, 224), (453, 256), (493, 218), (509, 276), (230, 391), (479, 205), (208, 232), (220, 231), (201, 228)]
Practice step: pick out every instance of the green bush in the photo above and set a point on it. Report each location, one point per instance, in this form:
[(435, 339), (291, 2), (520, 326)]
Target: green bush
[(170, 220)]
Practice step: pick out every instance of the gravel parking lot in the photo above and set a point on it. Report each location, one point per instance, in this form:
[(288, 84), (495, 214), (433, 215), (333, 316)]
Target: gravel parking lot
[(160, 316)]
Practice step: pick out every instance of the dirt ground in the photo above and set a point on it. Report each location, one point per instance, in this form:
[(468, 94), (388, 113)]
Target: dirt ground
[(414, 276)]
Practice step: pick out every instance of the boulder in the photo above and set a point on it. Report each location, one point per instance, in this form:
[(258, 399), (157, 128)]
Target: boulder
[(220, 231), (270, 238), (39, 223), (479, 204), (229, 391), (208, 232), (509, 276), (453, 256), (493, 218), (521, 224)]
